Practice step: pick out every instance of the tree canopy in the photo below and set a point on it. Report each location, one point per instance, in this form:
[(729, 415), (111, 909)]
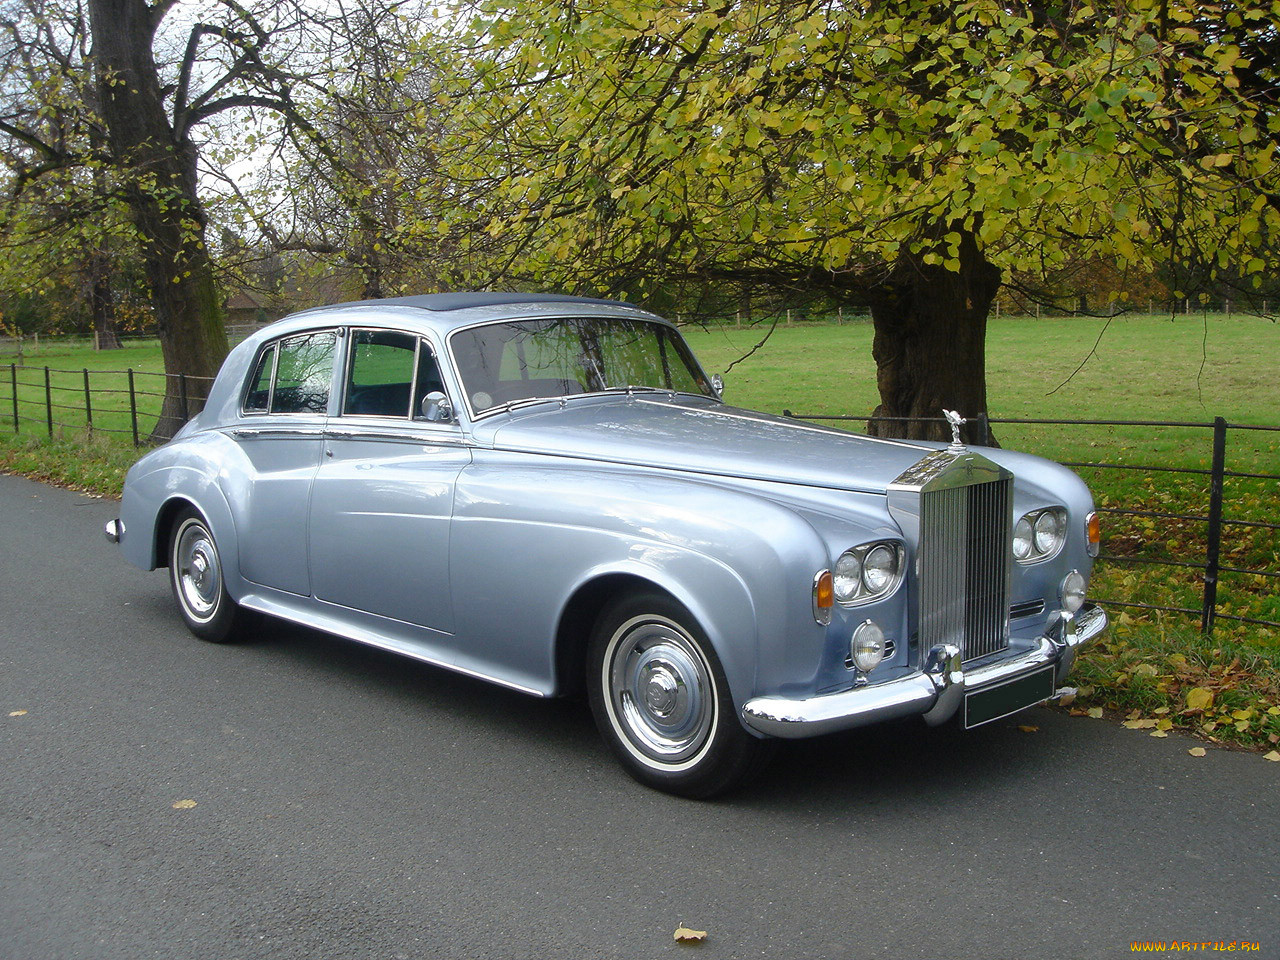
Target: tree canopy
[(906, 156)]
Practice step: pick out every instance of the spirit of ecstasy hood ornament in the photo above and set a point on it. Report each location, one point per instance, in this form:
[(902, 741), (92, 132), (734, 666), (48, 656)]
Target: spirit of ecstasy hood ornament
[(956, 422)]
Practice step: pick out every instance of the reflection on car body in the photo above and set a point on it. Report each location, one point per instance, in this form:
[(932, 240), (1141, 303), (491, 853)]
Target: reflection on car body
[(548, 492)]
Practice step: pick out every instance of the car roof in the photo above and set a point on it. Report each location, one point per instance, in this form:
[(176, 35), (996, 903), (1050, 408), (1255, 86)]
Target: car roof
[(445, 312)]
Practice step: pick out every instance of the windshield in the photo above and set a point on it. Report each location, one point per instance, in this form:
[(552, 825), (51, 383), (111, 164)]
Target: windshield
[(526, 359)]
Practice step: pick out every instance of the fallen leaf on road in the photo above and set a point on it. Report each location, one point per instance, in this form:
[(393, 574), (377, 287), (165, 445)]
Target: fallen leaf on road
[(1027, 728), (18, 713), (1095, 712), (1273, 756), (685, 935), (184, 804), (1159, 733), (1196, 751)]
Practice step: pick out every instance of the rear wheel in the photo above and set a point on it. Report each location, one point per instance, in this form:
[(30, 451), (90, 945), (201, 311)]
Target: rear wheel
[(661, 701), (199, 587)]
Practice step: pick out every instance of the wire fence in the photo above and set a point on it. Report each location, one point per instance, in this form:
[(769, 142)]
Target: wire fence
[(1214, 536)]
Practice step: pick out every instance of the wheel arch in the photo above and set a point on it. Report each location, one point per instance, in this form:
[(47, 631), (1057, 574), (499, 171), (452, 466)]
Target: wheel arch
[(730, 627)]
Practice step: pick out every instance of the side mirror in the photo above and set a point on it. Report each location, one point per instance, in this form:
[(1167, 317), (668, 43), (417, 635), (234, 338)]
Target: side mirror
[(717, 385), (437, 408)]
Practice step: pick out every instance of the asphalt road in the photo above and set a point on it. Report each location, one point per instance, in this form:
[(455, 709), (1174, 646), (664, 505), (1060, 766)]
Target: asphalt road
[(349, 804)]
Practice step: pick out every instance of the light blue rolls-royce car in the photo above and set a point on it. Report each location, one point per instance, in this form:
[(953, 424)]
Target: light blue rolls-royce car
[(549, 493)]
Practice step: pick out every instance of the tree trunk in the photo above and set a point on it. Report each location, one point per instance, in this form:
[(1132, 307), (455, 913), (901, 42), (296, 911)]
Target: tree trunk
[(102, 304), (159, 170), (930, 345)]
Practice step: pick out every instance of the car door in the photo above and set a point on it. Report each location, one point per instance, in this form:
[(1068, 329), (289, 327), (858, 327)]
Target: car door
[(382, 501), (281, 434)]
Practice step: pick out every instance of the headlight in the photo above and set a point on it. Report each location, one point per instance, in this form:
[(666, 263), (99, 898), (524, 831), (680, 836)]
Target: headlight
[(1023, 536), (1039, 535), (868, 572), (848, 576), (1049, 528), (880, 568)]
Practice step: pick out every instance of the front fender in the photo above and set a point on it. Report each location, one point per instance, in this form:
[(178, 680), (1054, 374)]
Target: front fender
[(528, 535)]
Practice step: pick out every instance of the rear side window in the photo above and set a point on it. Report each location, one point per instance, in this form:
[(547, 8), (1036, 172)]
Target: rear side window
[(293, 376)]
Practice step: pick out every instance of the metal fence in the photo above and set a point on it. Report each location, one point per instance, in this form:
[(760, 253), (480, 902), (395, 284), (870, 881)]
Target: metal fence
[(1209, 568), (120, 402)]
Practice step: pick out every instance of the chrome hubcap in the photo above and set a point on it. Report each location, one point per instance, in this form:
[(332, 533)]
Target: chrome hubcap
[(199, 576), (661, 690)]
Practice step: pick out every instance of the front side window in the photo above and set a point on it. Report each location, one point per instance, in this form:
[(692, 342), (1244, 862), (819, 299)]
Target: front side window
[(304, 370), (502, 363)]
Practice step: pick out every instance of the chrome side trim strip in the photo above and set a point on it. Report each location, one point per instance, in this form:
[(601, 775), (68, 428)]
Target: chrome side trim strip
[(263, 433)]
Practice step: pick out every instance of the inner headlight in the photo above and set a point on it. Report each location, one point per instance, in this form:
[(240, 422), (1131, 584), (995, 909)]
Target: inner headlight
[(1040, 534), (868, 571), (880, 567), (1023, 538), (1049, 528)]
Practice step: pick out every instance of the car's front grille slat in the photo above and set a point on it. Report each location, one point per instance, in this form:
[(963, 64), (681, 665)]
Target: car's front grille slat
[(964, 548)]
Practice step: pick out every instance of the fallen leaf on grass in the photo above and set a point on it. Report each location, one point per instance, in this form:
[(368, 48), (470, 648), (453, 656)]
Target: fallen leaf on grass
[(1273, 756), (1196, 751), (184, 804), (1139, 724), (18, 713), (1199, 698), (1027, 728), (685, 935)]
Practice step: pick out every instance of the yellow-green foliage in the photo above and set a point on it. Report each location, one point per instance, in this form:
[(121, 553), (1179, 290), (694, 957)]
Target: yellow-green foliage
[(751, 135)]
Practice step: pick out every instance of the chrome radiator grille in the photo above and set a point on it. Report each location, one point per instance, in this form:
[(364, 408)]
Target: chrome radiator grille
[(964, 566)]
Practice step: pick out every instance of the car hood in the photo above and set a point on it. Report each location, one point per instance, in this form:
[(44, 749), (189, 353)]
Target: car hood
[(696, 436)]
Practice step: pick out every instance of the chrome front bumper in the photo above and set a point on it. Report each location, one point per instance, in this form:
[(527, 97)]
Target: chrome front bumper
[(935, 693)]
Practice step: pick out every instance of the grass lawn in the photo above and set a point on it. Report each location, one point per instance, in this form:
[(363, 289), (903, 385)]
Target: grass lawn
[(1186, 368)]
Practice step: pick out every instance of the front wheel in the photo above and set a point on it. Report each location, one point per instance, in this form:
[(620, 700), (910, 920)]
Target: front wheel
[(195, 574), (661, 701)]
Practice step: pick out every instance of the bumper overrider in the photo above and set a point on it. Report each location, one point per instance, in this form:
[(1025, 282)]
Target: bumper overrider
[(941, 689)]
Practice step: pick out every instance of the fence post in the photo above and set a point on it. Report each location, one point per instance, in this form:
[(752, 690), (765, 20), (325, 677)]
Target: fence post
[(182, 392), (48, 402), (133, 407), (13, 380), (88, 404), (1209, 612), (984, 429)]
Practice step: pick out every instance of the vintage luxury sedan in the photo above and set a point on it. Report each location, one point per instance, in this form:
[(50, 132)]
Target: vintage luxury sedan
[(549, 493)]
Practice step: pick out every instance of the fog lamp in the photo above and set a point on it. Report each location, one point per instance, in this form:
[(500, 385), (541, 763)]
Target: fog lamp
[(1072, 591), (866, 649)]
